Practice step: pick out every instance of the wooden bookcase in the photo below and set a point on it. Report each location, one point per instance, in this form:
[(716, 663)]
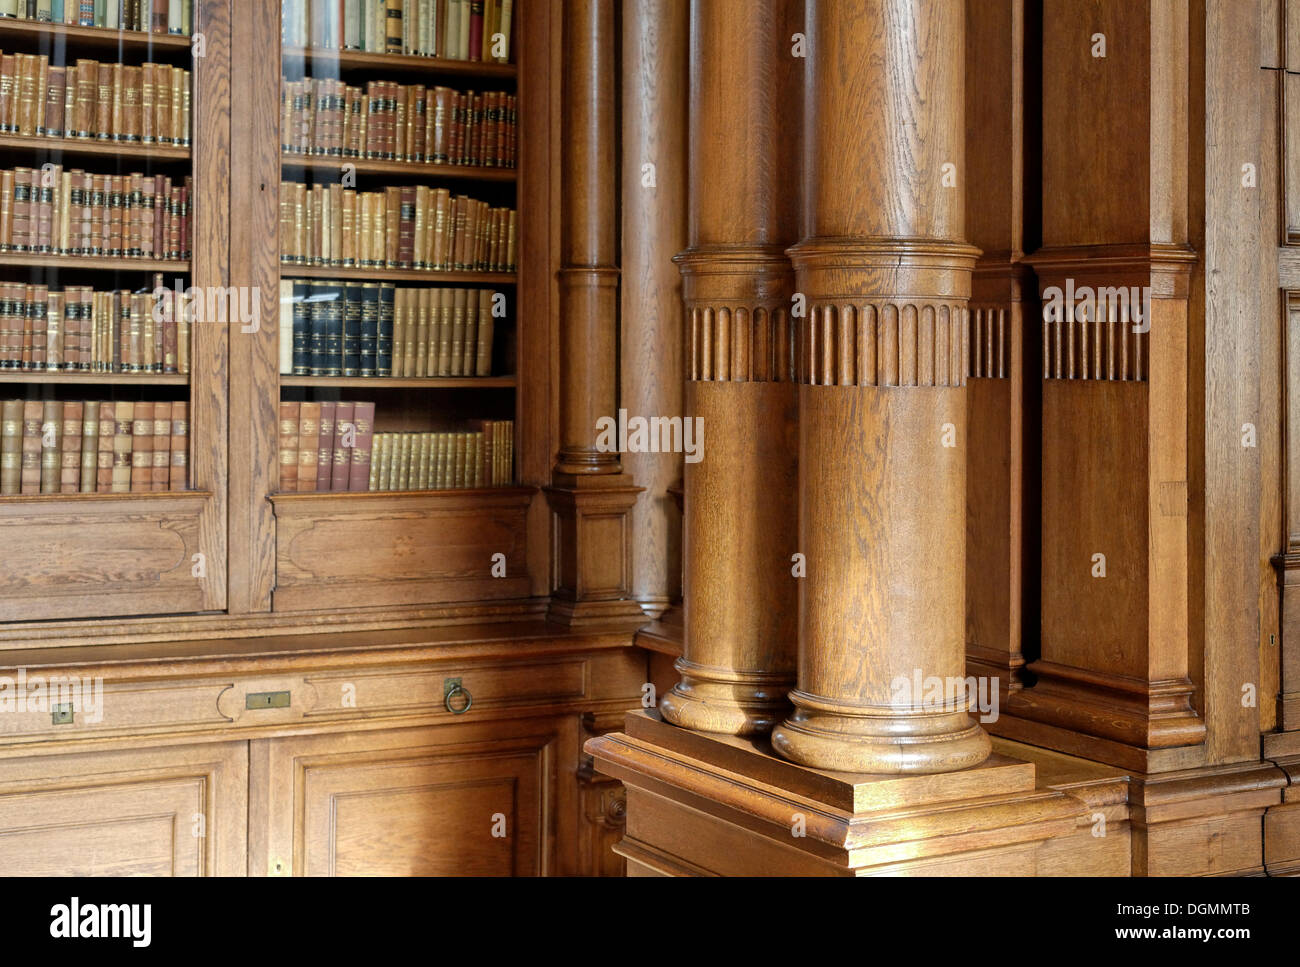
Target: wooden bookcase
[(274, 561), (96, 555), (407, 548)]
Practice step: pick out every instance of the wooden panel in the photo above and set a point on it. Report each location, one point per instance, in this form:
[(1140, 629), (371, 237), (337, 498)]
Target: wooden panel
[(1095, 502), (102, 555), (406, 549), (410, 802), (180, 811)]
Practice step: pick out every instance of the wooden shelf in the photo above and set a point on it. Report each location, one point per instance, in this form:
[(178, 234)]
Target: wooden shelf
[(98, 37), (516, 491), (401, 382), (401, 63), (90, 148), (47, 378), (117, 498), (97, 264), (394, 275), (411, 169)]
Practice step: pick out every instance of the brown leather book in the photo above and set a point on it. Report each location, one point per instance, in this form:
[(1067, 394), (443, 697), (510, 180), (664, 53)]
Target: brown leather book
[(70, 447), (31, 463), (469, 344), (11, 447), (423, 316), (84, 116), (142, 448), (178, 476), (289, 416), (89, 447), (325, 446), (22, 210), (103, 125), (43, 200), (104, 462), (341, 449), (363, 417), (9, 83), (308, 445), (55, 92), (132, 105), (162, 442)]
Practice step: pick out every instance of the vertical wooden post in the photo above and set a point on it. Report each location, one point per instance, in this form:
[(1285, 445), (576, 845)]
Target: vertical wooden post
[(1002, 412), (882, 364), (654, 105), (740, 595), (591, 498)]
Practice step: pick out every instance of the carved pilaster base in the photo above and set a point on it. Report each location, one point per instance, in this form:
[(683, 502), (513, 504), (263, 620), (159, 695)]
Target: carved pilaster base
[(1145, 715), (591, 580)]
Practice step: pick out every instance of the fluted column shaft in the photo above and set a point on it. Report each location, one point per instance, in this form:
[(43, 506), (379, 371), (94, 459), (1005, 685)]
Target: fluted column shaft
[(882, 364), (740, 506)]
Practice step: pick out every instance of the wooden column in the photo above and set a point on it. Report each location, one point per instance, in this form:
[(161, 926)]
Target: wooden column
[(740, 535), (654, 215), (882, 363), (590, 495)]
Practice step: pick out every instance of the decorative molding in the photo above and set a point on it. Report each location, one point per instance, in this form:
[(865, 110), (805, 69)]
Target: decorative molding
[(892, 343), (989, 350)]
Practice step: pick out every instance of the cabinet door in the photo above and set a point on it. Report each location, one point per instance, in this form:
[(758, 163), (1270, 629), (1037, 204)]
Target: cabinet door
[(179, 811), (454, 800)]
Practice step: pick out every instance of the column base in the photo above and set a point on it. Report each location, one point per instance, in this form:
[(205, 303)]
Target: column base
[(711, 805), (725, 701), (825, 736)]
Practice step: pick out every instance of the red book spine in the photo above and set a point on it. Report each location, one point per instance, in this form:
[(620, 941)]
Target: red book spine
[(363, 418)]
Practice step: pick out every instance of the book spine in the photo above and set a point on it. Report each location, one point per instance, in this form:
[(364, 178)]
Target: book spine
[(142, 432), (179, 445), (160, 471), (364, 421), (289, 417), (325, 447), (308, 445), (341, 449)]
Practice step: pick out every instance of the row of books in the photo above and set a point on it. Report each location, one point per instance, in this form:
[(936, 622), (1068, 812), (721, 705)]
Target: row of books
[(148, 104), (49, 210), (376, 329), (443, 461), (456, 29), (150, 16), (399, 122), (93, 446), (397, 228), (81, 330), (331, 445)]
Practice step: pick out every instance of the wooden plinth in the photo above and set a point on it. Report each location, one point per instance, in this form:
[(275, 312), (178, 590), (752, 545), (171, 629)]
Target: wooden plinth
[(725, 805)]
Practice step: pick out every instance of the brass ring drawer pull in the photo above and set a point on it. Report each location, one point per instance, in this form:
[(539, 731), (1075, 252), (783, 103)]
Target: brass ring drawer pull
[(453, 689)]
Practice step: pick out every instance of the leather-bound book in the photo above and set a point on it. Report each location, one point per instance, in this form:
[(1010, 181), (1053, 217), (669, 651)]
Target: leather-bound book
[(178, 474), (325, 446), (8, 93), (22, 210), (442, 324), (400, 335), (334, 310), (162, 443), (43, 200), (369, 343), (457, 362), (107, 438), (363, 417), (483, 358), (406, 228), (308, 445), (470, 344), (31, 462), (423, 317), (55, 93), (11, 447), (289, 416), (103, 123), (51, 445), (132, 105), (384, 342), (70, 447), (89, 447), (352, 301), (142, 448), (340, 447)]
